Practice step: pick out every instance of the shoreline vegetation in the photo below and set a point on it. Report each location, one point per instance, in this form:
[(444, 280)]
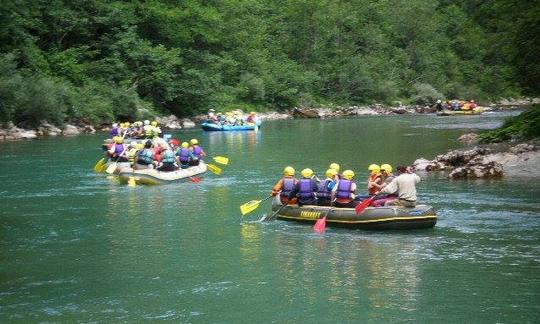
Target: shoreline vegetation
[(91, 62), (11, 132)]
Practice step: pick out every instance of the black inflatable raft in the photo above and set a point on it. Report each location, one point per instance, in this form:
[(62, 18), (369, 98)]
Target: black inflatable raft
[(374, 218)]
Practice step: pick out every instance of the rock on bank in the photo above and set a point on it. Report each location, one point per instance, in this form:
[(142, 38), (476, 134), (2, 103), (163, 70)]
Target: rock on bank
[(490, 161)]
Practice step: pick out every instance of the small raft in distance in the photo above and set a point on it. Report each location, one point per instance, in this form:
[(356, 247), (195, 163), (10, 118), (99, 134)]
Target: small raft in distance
[(155, 177), (475, 111), (216, 127), (372, 218)]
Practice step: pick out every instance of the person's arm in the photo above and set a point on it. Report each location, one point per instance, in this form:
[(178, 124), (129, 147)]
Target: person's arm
[(277, 187), (391, 187)]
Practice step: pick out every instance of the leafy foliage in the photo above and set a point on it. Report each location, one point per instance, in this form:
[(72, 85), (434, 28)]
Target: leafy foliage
[(522, 127), (96, 60)]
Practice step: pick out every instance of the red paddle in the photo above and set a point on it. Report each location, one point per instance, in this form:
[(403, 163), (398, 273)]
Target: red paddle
[(363, 205), (320, 225), (194, 179)]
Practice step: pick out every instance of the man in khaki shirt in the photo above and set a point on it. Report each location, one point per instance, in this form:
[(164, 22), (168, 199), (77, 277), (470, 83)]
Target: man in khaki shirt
[(405, 186)]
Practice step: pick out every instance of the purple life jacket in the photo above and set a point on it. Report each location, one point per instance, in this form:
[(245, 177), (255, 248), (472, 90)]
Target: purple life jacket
[(323, 189), (288, 186), (197, 150), (344, 189), (305, 192), (118, 149), (183, 155)]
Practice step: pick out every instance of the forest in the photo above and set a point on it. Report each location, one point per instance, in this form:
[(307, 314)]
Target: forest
[(94, 61)]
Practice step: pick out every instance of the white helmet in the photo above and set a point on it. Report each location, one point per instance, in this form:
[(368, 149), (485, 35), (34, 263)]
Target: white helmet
[(147, 122)]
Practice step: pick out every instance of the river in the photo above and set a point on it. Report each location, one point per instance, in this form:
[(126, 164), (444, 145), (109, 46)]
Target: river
[(77, 246)]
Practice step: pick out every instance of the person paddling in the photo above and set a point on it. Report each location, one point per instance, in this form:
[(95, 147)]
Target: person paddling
[(143, 158), (374, 179), (326, 188), (346, 191), (168, 160), (405, 187), (387, 176), (197, 151), (285, 186), (184, 155), (117, 152), (306, 188)]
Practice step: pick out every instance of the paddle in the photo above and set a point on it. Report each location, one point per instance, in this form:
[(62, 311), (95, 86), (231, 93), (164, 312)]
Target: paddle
[(273, 214), (112, 167), (221, 160), (252, 205), (195, 179), (132, 182), (320, 224), (364, 204), (99, 165), (214, 169)]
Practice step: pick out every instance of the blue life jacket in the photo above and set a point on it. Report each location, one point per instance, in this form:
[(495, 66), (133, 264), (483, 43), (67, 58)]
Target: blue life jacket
[(305, 191), (145, 157), (167, 157), (344, 189), (183, 155), (324, 191), (288, 186)]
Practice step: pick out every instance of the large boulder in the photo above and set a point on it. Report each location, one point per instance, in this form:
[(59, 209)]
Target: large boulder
[(47, 129), (468, 138), (70, 130), (188, 123), (169, 122), (305, 113), (478, 170)]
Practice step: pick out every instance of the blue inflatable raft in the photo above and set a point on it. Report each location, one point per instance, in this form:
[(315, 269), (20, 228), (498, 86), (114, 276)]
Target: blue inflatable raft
[(215, 127)]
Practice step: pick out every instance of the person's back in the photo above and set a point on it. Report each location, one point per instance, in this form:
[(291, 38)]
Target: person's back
[(305, 189), (184, 155), (405, 187), (285, 186), (143, 159), (168, 161), (346, 189), (326, 188)]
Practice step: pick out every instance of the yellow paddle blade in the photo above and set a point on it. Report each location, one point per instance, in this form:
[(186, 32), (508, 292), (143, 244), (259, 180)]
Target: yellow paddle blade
[(132, 182), (103, 168), (221, 160), (111, 168), (249, 206), (99, 165), (214, 169)]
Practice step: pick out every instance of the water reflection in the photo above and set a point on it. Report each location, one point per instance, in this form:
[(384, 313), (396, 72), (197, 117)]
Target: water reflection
[(232, 141)]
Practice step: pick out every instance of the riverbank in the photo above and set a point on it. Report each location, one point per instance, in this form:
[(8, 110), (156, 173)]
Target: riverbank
[(12, 132)]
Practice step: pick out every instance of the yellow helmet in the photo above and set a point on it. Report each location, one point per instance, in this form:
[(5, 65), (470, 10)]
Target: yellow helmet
[(334, 166), (374, 168), (118, 139), (330, 173), (386, 167), (194, 141), (348, 174), (185, 144), (288, 171), (127, 124), (154, 123), (307, 173)]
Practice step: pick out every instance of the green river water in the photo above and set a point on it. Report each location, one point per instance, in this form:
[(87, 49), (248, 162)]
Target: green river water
[(78, 247)]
